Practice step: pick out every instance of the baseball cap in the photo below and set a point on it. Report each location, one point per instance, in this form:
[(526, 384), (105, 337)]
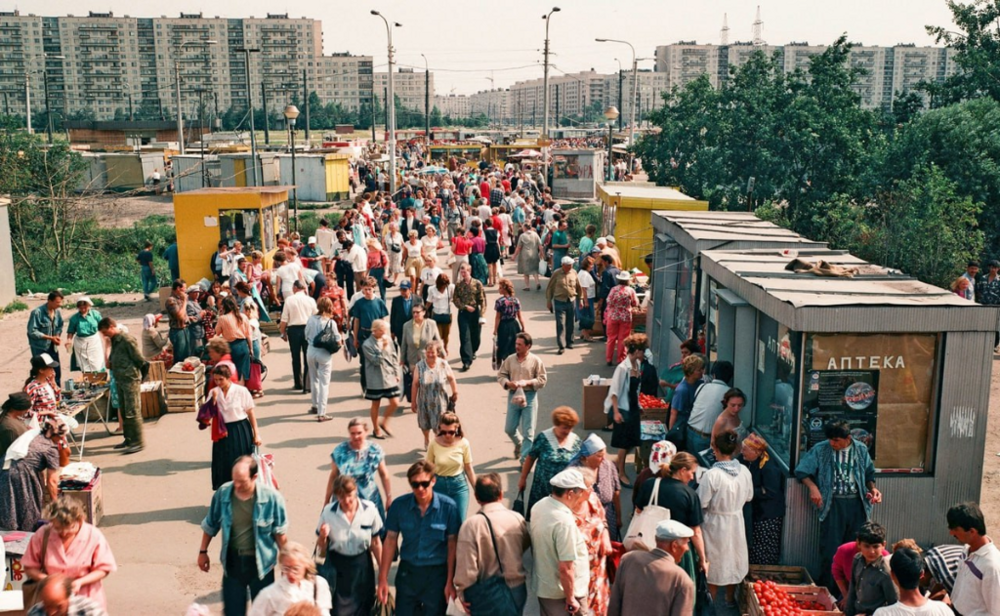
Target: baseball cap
[(405, 284), (568, 479), (43, 361)]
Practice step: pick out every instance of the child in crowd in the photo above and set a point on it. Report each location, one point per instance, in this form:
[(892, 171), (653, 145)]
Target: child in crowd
[(871, 581)]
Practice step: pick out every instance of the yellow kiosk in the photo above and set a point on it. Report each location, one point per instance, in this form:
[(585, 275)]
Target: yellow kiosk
[(256, 216), (627, 211)]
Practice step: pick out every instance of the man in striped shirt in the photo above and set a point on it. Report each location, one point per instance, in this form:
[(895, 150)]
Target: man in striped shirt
[(941, 564)]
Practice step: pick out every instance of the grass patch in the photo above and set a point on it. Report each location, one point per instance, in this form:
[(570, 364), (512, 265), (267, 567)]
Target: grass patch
[(15, 306)]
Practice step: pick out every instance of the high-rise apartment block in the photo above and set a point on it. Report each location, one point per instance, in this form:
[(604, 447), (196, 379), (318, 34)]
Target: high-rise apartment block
[(888, 70), (106, 63), (408, 87)]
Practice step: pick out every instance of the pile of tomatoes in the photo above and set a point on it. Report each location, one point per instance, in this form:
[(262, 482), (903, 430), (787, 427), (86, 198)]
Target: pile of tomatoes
[(647, 401), (776, 602)]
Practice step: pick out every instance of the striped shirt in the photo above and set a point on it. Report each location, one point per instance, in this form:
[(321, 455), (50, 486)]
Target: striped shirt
[(943, 562), (843, 473)]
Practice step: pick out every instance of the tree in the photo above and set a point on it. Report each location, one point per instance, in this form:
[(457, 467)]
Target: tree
[(977, 47), (436, 118)]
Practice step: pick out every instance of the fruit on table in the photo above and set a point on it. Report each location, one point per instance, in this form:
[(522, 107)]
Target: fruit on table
[(776, 602), (647, 401)]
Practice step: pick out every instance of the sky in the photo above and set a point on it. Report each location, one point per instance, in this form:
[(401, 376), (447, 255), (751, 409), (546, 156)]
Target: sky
[(468, 42)]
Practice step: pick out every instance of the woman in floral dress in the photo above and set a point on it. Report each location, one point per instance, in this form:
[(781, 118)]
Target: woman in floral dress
[(509, 322), (551, 452), (432, 380), (362, 460), (590, 519)]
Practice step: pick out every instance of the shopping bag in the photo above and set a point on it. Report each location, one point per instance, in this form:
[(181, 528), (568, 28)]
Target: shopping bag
[(496, 359), (255, 382), (543, 267), (518, 505), (265, 469), (455, 608), (641, 533), (520, 398), (385, 609)]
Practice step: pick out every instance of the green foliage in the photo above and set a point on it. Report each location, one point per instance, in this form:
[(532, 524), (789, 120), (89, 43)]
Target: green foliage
[(15, 306), (975, 37)]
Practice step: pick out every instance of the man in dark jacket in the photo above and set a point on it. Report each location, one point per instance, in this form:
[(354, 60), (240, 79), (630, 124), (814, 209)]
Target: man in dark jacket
[(401, 310), (126, 361)]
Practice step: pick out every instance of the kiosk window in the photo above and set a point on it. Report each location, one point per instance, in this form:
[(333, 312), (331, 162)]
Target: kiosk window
[(884, 385), (684, 298), (778, 350), (240, 225)]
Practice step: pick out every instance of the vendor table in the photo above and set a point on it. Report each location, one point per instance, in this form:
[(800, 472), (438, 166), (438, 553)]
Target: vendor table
[(91, 400), (15, 550)]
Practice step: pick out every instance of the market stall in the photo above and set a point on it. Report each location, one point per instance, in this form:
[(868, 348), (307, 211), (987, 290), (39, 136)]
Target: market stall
[(575, 173), (683, 293), (626, 210), (823, 335), (318, 177), (256, 216)]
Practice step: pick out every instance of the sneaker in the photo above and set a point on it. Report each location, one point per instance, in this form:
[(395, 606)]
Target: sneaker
[(313, 410), (121, 445), (560, 351), (517, 451), (134, 449)]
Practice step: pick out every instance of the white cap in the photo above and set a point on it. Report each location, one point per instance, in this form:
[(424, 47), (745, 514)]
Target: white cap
[(568, 479), (672, 529), (566, 261), (610, 239), (312, 239), (85, 300), (600, 240), (623, 277)]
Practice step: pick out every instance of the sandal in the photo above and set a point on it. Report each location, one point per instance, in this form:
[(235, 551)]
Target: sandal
[(625, 483), (324, 418), (379, 436), (384, 429)]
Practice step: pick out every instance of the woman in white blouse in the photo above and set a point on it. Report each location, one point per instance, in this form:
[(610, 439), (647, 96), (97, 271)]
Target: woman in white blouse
[(349, 535), (296, 583), (235, 405)]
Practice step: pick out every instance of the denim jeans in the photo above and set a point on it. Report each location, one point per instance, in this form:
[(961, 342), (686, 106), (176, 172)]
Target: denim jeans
[(180, 339), (523, 418), (469, 333), (240, 574), (457, 487), (564, 323), (696, 442), (319, 364), (149, 284), (420, 590)]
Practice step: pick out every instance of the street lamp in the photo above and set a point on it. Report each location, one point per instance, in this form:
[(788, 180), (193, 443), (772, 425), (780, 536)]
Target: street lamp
[(545, 93), (177, 74), (635, 89), (621, 78), (390, 106), (611, 113), (427, 106), (291, 112)]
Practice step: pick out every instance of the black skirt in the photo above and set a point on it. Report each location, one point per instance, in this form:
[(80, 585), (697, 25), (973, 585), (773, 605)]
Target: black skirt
[(492, 253), (226, 451), (628, 434), (352, 582), (381, 394), (506, 337)]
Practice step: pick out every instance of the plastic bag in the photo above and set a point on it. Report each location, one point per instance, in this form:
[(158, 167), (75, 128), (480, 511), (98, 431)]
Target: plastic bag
[(520, 398), (455, 608), (265, 469), (543, 267)]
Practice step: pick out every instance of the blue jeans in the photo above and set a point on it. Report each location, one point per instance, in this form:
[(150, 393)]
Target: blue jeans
[(239, 350), (523, 418), (239, 575), (149, 284), (697, 442), (564, 322), (458, 489), (180, 339)]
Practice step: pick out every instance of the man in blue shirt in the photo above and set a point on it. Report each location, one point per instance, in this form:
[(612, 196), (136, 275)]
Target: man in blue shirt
[(254, 525), (45, 327), (429, 525), (171, 257), (683, 399)]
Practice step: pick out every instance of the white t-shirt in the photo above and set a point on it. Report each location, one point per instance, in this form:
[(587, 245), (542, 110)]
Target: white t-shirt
[(931, 608), (707, 406), (979, 595), (234, 404), (587, 283), (288, 274), (441, 301), (429, 275), (358, 258)]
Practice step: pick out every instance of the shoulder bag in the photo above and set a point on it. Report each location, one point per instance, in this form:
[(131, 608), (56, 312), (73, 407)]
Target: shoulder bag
[(641, 533), (31, 588), (327, 339), (491, 595)]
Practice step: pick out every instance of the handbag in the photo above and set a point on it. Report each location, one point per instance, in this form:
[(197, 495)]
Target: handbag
[(491, 595), (328, 339), (641, 533), (30, 588), (518, 505)]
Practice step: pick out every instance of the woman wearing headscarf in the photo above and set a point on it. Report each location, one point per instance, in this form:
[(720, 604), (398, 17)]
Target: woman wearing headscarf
[(606, 486), (768, 505), (82, 338), (592, 524), (33, 455), (155, 346), (14, 419)]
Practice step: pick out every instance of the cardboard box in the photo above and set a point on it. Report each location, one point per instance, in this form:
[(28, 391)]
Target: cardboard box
[(91, 498), (594, 417)]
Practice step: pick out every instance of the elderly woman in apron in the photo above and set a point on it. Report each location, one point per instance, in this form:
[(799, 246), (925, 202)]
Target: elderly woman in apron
[(82, 339)]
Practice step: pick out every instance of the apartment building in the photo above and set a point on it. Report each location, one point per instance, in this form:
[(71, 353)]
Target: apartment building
[(408, 86), (105, 63), (453, 105)]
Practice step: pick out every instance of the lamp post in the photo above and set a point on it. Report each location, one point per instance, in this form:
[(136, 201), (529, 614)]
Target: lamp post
[(246, 51), (545, 93), (292, 112), (427, 106), (611, 113), (635, 88), (391, 106), (177, 83), (621, 79)]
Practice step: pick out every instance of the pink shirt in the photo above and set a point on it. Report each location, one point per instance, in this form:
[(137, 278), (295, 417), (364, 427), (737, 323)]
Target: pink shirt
[(844, 559), (89, 551)]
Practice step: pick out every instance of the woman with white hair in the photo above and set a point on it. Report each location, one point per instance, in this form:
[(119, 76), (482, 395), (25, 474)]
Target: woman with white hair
[(298, 582), (382, 374)]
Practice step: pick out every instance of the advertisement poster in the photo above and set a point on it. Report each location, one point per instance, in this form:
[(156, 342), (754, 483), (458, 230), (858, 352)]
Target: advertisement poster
[(851, 395)]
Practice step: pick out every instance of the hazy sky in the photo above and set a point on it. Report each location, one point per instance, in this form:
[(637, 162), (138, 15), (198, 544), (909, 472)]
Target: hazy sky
[(468, 41)]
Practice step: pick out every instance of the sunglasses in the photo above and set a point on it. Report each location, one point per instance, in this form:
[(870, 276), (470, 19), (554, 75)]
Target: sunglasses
[(448, 432), (420, 484)]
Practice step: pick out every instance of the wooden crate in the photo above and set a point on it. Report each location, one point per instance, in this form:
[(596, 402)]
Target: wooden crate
[(157, 372), (185, 391), (780, 574), (751, 606), (153, 403)]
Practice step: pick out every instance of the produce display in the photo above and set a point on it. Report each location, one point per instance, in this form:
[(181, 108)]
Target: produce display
[(774, 601), (647, 401)]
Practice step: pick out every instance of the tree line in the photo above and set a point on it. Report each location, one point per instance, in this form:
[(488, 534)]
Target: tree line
[(915, 186)]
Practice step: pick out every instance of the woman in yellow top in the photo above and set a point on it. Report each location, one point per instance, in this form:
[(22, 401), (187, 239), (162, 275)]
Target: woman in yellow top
[(451, 456)]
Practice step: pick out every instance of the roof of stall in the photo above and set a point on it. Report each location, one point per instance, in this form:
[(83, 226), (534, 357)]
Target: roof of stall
[(874, 299), (697, 231)]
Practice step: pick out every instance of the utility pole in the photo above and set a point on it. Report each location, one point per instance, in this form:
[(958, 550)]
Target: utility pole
[(253, 133), (27, 98), (180, 114), (48, 110), (391, 102), (6, 105), (621, 81), (545, 95), (373, 108), (305, 101), (385, 111), (427, 105), (557, 106), (263, 98)]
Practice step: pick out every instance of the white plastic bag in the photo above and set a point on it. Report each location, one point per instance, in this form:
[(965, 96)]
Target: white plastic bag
[(520, 398), (455, 608), (265, 469), (641, 533), (543, 267)]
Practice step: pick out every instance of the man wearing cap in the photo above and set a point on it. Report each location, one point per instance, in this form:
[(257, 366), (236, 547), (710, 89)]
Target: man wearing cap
[(196, 323), (312, 254), (561, 573), (612, 250), (401, 310), (82, 340), (561, 295), (125, 361), (45, 326), (651, 583)]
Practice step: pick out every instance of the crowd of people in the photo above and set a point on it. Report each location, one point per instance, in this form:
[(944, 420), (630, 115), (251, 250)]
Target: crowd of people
[(438, 248)]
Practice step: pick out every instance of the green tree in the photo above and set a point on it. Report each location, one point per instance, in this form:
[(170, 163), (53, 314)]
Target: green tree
[(436, 118), (977, 46)]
